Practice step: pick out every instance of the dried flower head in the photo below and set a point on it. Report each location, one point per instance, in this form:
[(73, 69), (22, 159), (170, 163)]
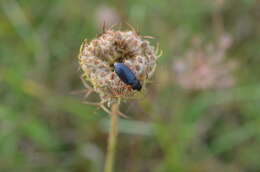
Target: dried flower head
[(206, 68), (97, 59)]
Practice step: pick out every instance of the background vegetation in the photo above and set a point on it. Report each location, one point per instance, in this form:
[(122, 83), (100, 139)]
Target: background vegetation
[(176, 127)]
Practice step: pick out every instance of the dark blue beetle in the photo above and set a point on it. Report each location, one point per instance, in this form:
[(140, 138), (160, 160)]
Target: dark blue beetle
[(127, 76)]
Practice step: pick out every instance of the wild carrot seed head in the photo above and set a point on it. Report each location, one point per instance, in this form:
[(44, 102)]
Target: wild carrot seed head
[(98, 56)]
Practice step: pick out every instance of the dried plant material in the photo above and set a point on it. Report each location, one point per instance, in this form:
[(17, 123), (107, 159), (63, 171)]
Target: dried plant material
[(97, 59), (206, 68)]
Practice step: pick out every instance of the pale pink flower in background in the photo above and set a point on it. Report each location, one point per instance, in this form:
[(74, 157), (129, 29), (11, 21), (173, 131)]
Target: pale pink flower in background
[(106, 15), (206, 68)]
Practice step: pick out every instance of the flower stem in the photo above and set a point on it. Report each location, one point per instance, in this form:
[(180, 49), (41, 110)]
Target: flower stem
[(112, 139)]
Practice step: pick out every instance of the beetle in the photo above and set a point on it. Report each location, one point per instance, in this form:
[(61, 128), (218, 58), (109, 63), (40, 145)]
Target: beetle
[(127, 76)]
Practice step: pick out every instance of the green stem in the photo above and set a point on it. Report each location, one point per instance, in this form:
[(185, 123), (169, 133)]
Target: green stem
[(112, 139)]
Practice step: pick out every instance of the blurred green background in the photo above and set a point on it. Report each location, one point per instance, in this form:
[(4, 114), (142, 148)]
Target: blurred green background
[(176, 126)]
